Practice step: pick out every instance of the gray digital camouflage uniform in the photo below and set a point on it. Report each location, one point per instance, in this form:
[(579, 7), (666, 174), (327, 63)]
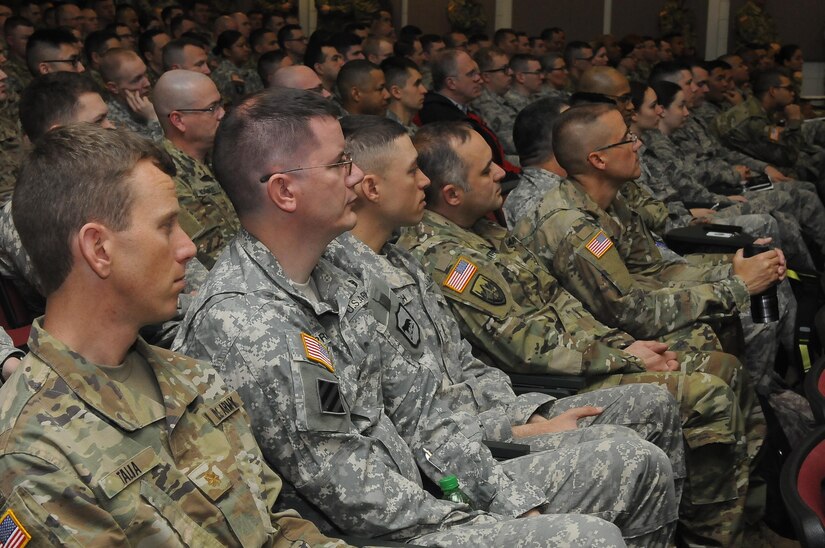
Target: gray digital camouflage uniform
[(122, 117), (339, 448), (517, 101), (200, 195), (500, 117), (525, 322), (426, 330), (533, 184), (795, 208), (86, 460)]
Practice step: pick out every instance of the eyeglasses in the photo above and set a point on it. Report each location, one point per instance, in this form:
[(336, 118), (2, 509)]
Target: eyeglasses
[(301, 39), (630, 138), (564, 68), (789, 87), (530, 72), (210, 109), (74, 60), (505, 68), (346, 163), (619, 98)]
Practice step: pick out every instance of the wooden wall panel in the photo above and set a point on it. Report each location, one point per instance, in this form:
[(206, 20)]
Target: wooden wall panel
[(431, 15), (581, 19)]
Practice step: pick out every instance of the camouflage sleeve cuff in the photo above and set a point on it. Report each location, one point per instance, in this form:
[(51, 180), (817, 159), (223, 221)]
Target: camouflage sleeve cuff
[(526, 405), (517, 498), (496, 424), (739, 292)]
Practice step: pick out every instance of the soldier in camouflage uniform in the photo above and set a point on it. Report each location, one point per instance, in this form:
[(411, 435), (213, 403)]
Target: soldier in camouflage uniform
[(676, 18), (334, 15), (189, 107), (124, 74), (15, 66), (528, 80), (466, 16), (753, 25), (517, 316), (426, 331), (491, 105), (314, 327), (748, 128), (87, 458), (9, 148)]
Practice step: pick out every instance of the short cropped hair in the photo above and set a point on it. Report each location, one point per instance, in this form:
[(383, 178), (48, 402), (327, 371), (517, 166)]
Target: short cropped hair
[(96, 42), (72, 175), (266, 129), (146, 40), (533, 130), (43, 40), (173, 51), (484, 57), (445, 66), (427, 41), (267, 63), (285, 33), (520, 61), (397, 70), (369, 139), (437, 157), (767, 79), (52, 99), (568, 131), (355, 73), (667, 71)]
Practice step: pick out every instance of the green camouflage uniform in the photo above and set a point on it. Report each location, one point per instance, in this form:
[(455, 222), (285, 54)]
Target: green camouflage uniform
[(86, 460), (279, 346), (340, 14), (123, 118), (675, 17), (230, 90), (10, 151), (753, 25), (212, 220), (466, 16), (365, 9), (18, 74), (500, 117), (517, 315)]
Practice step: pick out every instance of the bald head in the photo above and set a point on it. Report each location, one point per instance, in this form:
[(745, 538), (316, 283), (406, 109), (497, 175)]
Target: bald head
[(177, 89), (298, 77), (604, 80)]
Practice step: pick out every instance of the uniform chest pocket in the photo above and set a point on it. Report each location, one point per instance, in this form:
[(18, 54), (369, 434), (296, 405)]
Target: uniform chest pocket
[(320, 405)]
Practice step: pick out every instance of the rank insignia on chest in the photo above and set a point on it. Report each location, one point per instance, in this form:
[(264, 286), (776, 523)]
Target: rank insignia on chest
[(12, 532), (460, 276), (599, 245), (316, 352)]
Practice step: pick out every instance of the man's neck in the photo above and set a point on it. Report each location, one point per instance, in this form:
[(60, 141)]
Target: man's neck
[(552, 166), (401, 112), (601, 191), (372, 231), (101, 334), (453, 97), (295, 248), (456, 215), (521, 90), (196, 151)]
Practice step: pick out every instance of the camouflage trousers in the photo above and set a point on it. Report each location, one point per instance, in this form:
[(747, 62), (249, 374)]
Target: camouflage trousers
[(723, 429), (624, 480), (535, 532)]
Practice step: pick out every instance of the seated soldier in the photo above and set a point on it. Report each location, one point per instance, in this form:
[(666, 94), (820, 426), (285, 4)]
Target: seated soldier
[(53, 50), (124, 74), (438, 364), (108, 440), (9, 143), (277, 318), (17, 31), (518, 317), (186, 54), (189, 107), (497, 78), (404, 84), (362, 88)]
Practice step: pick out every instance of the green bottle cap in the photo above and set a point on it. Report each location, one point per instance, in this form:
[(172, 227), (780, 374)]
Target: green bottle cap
[(448, 483)]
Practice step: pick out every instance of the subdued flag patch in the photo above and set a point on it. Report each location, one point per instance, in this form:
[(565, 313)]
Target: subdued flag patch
[(460, 275), (316, 351), (12, 533), (599, 245)]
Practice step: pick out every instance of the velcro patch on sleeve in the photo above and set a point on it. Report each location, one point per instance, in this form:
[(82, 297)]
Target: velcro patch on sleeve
[(12, 532), (460, 275), (599, 244), (316, 351)]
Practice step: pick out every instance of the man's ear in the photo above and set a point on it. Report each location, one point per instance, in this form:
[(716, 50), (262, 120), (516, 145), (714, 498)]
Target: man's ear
[(111, 87), (370, 188), (395, 92), (355, 94), (595, 159), (452, 195), (279, 191), (177, 121), (94, 244)]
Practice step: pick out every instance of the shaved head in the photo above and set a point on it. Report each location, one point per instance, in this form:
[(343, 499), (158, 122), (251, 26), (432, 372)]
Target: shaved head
[(296, 77), (577, 132), (176, 89), (604, 80)]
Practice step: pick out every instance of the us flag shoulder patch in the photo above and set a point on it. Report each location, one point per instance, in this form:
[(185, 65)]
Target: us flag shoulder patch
[(317, 352), (599, 245), (460, 276), (12, 532)]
